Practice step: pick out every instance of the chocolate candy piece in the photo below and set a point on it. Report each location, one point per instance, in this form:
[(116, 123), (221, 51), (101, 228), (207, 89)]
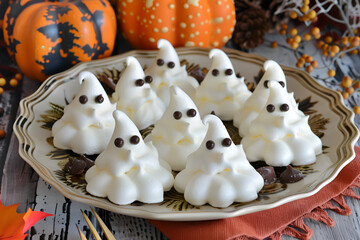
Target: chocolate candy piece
[(270, 108), (210, 144), (284, 107), (290, 175), (171, 64), (215, 72), (148, 79), (198, 74), (177, 115), (139, 82), (99, 99), (228, 71), (191, 113), (89, 162), (266, 84), (108, 83), (268, 174), (160, 62), (83, 99), (134, 140), (75, 166), (78, 165), (119, 142), (282, 84), (226, 142)]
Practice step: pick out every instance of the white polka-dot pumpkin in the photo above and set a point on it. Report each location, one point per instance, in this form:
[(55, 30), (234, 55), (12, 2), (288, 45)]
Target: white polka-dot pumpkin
[(203, 23)]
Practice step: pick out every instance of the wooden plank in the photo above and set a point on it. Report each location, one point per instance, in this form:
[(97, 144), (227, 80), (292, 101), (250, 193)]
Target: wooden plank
[(9, 102), (67, 215), (346, 227), (19, 179)]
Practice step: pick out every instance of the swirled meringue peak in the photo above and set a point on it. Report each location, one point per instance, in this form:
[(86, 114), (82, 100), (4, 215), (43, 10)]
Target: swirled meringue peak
[(87, 123), (251, 108), (128, 169), (221, 90), (167, 71), (134, 96), (218, 172), (179, 131), (281, 135)]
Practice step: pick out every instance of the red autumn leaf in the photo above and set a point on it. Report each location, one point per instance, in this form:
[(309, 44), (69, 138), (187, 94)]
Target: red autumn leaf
[(13, 225)]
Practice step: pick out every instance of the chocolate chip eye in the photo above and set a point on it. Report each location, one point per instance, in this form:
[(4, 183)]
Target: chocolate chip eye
[(177, 115), (160, 62), (119, 142), (210, 144), (148, 79), (282, 84), (134, 140), (266, 84), (99, 99), (238, 75), (215, 72), (226, 142), (139, 82), (191, 113), (171, 64), (228, 71), (284, 107), (83, 99), (270, 108)]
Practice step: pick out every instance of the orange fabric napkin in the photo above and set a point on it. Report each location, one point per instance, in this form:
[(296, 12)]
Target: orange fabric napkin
[(277, 221)]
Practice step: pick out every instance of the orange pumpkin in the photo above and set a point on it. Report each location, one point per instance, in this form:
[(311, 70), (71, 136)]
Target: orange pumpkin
[(204, 23), (46, 37)]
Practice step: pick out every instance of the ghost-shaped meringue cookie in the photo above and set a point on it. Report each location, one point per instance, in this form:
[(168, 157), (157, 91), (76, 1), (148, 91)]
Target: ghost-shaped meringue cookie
[(166, 71), (218, 172), (179, 131), (128, 169), (249, 111), (87, 124), (281, 135), (221, 91), (135, 97)]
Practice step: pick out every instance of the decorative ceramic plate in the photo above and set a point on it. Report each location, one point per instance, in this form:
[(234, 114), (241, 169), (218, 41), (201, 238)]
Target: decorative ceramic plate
[(329, 119)]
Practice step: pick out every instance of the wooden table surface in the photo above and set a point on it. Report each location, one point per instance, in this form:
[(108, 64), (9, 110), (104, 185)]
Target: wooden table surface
[(20, 184)]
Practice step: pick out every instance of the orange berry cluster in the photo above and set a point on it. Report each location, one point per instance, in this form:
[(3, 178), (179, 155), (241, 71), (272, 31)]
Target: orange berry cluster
[(330, 48), (308, 62), (349, 86), (294, 42), (306, 14), (13, 82), (294, 39)]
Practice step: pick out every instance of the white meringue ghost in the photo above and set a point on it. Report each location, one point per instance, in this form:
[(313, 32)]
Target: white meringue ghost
[(252, 106), (166, 71), (221, 90), (87, 124), (179, 131), (128, 169), (218, 172), (280, 135), (135, 97)]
